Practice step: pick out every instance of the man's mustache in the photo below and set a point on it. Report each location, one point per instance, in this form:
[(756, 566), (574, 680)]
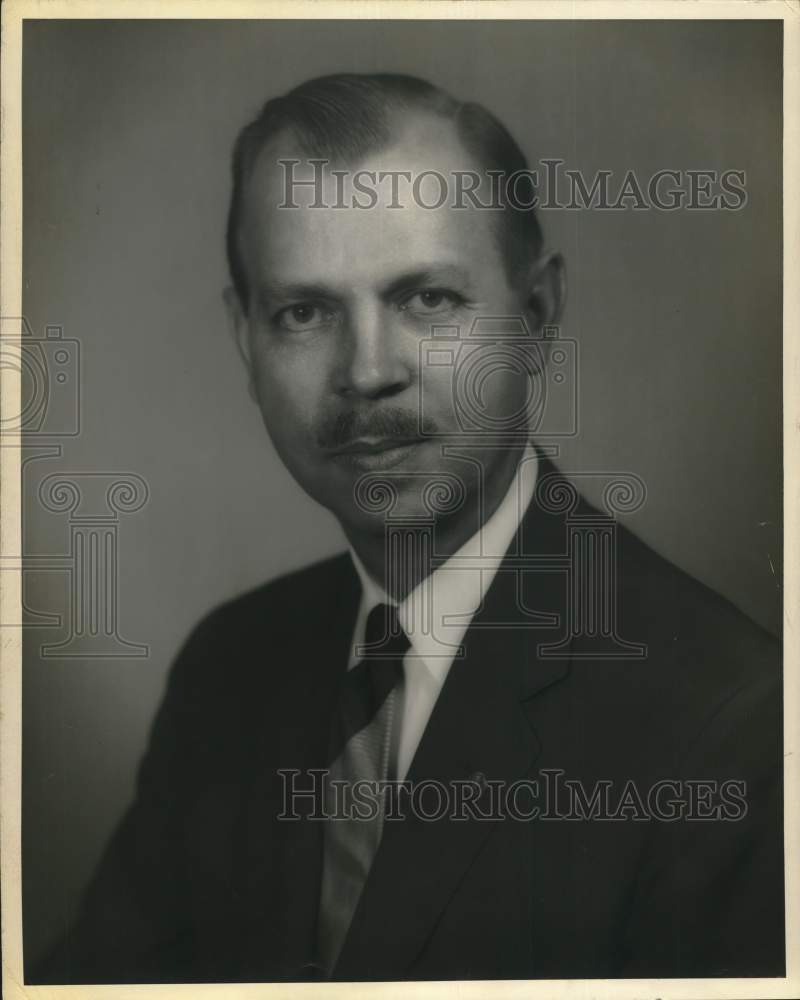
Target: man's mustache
[(387, 422)]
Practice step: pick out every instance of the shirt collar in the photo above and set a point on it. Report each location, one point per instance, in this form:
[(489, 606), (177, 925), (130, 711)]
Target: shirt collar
[(438, 612)]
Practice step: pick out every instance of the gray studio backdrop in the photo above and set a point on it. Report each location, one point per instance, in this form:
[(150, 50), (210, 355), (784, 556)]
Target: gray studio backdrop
[(127, 132)]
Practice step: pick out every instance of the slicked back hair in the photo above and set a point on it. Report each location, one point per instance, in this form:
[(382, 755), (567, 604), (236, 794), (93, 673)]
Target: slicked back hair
[(347, 116)]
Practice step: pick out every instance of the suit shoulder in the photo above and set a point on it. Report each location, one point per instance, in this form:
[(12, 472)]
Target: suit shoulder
[(706, 658), (290, 604), (651, 590), (286, 601), (677, 604), (705, 688), (234, 650)]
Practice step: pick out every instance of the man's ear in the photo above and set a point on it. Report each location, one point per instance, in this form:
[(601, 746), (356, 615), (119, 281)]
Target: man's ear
[(240, 330), (547, 289)]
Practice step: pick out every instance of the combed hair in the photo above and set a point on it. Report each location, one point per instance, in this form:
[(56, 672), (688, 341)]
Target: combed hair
[(347, 116)]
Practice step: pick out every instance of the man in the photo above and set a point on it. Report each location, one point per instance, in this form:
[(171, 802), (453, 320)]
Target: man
[(604, 732)]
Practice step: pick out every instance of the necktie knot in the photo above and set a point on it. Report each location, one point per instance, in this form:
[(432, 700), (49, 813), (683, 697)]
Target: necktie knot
[(365, 688), (384, 637)]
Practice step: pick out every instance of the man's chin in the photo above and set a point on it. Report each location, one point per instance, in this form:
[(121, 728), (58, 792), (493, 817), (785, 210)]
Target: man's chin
[(411, 483), (381, 502)]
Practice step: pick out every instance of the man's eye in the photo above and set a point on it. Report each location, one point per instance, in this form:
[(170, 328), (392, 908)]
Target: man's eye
[(431, 301), (303, 316)]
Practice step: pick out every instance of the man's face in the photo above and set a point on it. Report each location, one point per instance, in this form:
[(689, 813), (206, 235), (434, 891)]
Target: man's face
[(341, 302)]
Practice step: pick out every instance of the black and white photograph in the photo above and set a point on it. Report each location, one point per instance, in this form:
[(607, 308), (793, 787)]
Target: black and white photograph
[(395, 551)]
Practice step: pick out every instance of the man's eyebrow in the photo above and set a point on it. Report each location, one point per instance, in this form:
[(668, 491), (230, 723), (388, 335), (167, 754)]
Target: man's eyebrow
[(275, 290), (269, 291), (434, 274)]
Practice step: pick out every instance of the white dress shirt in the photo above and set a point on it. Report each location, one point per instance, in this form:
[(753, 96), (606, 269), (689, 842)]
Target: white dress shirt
[(452, 593)]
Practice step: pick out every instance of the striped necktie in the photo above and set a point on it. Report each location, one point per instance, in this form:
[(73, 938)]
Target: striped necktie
[(360, 750)]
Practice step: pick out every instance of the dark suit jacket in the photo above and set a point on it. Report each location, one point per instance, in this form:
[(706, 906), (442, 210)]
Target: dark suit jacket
[(202, 882)]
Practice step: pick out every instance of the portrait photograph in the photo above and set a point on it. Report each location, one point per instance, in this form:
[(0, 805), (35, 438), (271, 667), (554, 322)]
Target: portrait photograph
[(397, 560)]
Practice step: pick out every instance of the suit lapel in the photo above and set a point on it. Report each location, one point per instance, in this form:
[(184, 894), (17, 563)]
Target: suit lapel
[(479, 727)]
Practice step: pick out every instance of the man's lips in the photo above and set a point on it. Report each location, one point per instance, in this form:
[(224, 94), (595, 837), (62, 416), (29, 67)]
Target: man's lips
[(376, 446), (376, 454)]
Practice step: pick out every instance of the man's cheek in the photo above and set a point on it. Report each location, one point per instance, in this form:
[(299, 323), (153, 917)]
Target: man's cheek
[(437, 399), (286, 423)]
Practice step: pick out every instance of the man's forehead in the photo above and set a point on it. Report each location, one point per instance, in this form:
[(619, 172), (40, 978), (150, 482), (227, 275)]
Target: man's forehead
[(421, 141), (320, 223)]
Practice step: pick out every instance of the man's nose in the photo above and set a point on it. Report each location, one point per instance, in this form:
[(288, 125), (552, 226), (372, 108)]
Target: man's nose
[(372, 360)]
